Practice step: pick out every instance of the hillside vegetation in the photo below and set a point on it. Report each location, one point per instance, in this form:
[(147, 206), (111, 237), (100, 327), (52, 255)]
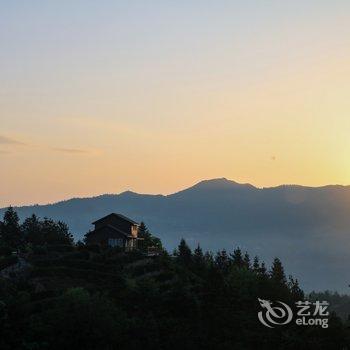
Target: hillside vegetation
[(57, 294), (299, 224)]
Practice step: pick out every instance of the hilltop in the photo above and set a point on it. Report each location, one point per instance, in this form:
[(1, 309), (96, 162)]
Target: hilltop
[(306, 226)]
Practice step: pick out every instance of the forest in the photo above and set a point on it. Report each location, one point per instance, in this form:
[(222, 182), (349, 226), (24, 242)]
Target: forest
[(59, 294)]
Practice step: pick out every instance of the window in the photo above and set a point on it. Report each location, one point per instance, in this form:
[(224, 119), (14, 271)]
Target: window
[(115, 242)]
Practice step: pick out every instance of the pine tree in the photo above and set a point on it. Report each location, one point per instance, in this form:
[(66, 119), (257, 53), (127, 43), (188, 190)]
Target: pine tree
[(277, 272), (237, 259), (256, 265), (10, 229), (198, 257), (143, 230), (148, 240), (32, 230), (184, 252), (222, 260), (55, 232), (246, 260), (262, 269), (295, 289), (208, 258)]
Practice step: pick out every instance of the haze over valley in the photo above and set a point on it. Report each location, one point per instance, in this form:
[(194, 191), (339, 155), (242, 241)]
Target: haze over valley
[(307, 227)]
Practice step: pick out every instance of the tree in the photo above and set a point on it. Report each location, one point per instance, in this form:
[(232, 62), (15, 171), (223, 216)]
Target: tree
[(263, 270), (10, 230), (293, 285), (78, 320), (32, 230), (198, 257), (256, 265), (143, 230), (237, 259), (277, 272), (47, 231), (184, 252), (148, 240), (222, 260), (246, 260), (56, 232), (209, 259)]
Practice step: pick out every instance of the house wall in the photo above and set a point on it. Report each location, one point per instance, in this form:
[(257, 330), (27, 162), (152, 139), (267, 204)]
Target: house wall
[(102, 235)]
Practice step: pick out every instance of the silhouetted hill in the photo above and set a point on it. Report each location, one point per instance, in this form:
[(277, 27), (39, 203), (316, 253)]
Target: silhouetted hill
[(306, 226)]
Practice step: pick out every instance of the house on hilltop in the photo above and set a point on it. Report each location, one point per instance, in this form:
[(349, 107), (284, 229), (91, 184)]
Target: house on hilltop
[(114, 230)]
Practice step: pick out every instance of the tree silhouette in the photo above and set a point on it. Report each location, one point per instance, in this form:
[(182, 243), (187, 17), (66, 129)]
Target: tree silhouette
[(184, 253), (148, 240), (10, 230), (237, 258), (32, 230), (198, 257), (277, 272), (101, 299), (222, 260), (256, 265), (246, 260)]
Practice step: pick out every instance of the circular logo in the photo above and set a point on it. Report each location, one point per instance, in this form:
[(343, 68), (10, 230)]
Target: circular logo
[(274, 315)]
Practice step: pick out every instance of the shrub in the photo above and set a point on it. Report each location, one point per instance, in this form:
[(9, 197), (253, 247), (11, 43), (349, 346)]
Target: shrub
[(39, 250), (61, 248), (6, 261), (5, 249)]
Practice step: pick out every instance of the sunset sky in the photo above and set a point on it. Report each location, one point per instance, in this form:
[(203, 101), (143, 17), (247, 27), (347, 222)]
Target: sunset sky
[(153, 96)]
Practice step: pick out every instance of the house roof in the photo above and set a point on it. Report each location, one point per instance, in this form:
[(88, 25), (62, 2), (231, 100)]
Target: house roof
[(114, 229), (118, 215)]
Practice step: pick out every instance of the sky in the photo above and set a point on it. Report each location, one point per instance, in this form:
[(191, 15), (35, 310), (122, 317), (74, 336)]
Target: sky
[(154, 96)]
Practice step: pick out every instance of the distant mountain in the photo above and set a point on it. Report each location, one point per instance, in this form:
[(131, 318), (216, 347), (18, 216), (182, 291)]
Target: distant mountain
[(308, 227)]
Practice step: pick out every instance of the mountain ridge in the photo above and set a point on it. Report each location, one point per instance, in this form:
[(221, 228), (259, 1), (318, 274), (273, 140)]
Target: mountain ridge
[(198, 185), (307, 227)]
